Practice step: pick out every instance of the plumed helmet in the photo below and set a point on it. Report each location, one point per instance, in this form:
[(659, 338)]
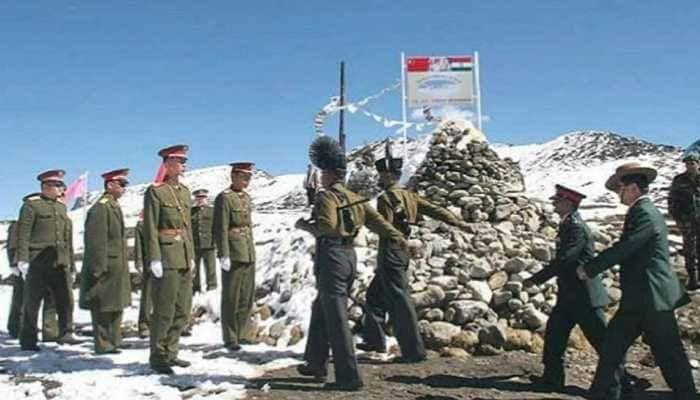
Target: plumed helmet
[(326, 153)]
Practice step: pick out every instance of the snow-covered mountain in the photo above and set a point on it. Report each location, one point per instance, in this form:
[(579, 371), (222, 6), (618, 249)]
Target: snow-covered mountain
[(583, 160)]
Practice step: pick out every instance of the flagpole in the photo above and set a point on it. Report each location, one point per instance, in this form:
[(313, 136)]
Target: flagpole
[(477, 89), (403, 103)]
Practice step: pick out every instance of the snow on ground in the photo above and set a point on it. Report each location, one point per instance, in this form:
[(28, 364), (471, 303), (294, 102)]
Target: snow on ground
[(79, 374)]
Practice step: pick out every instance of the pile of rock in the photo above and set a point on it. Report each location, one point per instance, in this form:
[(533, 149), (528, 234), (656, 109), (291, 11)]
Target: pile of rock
[(468, 288)]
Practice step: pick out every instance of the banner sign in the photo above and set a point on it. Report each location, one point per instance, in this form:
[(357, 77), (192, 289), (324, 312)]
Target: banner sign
[(434, 81)]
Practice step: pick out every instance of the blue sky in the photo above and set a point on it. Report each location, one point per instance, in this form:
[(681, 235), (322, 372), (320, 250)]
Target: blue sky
[(96, 85)]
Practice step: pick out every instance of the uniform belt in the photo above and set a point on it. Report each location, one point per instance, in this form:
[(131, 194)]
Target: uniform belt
[(171, 232), (238, 229)]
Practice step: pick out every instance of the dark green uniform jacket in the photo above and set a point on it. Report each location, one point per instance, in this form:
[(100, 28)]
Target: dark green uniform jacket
[(166, 225), (647, 280), (202, 217), (105, 284), (44, 232), (233, 224), (575, 248)]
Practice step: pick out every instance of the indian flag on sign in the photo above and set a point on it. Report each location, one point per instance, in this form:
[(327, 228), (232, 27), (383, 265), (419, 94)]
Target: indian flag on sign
[(460, 63), (439, 64)]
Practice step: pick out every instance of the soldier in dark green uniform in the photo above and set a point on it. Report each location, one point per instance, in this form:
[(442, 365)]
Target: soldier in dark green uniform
[(651, 291), (204, 251), (45, 258), (338, 214), (168, 237), (233, 232), (145, 303), (389, 291), (578, 302), (105, 287), (684, 207)]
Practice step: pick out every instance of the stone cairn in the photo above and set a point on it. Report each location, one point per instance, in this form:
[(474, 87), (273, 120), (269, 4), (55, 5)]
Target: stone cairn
[(468, 286)]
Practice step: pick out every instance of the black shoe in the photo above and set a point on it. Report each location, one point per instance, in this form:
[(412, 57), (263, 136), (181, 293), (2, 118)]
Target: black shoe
[(345, 387), (410, 359), (162, 369), (233, 346), (631, 383), (186, 333), (179, 362), (30, 347), (247, 341), (318, 374), (546, 384), (125, 346), (371, 347)]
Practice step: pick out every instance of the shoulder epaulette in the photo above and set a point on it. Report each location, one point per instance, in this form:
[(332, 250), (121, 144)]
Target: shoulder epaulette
[(227, 190), (104, 200), (32, 198), (157, 184)]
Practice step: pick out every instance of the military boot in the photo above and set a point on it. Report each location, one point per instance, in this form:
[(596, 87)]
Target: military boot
[(69, 339), (693, 282)]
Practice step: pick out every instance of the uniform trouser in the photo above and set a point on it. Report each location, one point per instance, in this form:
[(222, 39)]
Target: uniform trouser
[(389, 292), (208, 257), (146, 303), (237, 296), (562, 320), (328, 328), (106, 328), (49, 320), (690, 230), (660, 330), (40, 278), (172, 300)]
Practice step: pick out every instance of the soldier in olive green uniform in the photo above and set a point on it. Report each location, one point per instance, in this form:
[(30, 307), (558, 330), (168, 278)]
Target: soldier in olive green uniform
[(651, 291), (684, 207), (45, 258), (233, 232), (105, 287), (579, 303), (389, 291), (204, 251), (49, 319), (168, 238), (146, 302), (338, 214)]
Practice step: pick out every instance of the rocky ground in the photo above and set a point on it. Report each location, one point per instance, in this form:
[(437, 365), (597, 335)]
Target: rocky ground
[(500, 376), (503, 376)]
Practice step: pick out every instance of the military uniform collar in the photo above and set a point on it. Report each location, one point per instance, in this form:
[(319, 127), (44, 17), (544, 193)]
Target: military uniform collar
[(640, 198), (567, 217)]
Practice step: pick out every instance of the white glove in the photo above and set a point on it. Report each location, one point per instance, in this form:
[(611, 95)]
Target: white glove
[(225, 263), (15, 271), (157, 269), (23, 268)]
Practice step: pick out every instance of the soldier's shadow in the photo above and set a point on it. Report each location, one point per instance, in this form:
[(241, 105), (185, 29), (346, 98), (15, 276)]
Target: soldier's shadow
[(506, 383), (502, 382), (296, 383), (250, 357)]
